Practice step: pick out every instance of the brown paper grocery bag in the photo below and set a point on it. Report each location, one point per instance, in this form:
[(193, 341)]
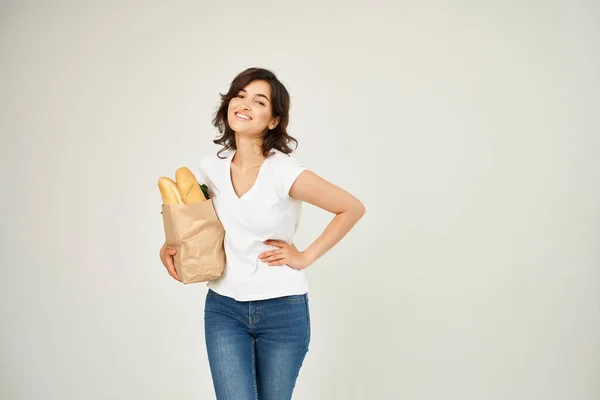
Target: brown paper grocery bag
[(197, 234)]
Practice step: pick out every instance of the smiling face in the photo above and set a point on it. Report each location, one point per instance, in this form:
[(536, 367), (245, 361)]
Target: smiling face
[(249, 113)]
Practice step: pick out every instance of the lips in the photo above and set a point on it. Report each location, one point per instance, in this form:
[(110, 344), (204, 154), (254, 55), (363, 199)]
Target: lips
[(237, 116)]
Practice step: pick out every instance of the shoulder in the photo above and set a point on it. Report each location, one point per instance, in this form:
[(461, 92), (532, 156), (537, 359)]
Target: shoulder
[(287, 167), (209, 160), (282, 159), (208, 164)]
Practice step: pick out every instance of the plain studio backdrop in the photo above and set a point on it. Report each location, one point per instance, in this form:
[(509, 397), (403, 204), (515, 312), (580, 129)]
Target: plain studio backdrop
[(470, 130)]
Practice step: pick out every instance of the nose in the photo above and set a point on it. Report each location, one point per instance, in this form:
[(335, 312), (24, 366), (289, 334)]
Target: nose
[(245, 105)]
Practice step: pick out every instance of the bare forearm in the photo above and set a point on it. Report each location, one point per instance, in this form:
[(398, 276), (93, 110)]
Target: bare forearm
[(339, 226)]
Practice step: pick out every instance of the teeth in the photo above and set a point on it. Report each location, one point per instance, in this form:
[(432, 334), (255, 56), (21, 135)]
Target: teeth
[(243, 116)]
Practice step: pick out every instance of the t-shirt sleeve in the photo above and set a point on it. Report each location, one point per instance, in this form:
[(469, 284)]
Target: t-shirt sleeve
[(287, 172)]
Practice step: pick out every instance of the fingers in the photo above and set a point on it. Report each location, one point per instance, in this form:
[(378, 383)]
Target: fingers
[(175, 276), (171, 268), (281, 246), (169, 262), (167, 251), (273, 258), (279, 259), (272, 255), (277, 243)]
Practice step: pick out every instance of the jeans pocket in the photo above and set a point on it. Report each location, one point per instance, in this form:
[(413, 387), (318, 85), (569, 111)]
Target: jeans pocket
[(212, 294), (295, 298)]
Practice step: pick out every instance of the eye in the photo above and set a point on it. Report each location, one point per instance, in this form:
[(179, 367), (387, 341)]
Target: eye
[(261, 103), (240, 96)]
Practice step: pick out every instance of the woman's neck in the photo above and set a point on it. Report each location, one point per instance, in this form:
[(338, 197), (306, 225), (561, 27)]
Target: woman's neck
[(248, 153)]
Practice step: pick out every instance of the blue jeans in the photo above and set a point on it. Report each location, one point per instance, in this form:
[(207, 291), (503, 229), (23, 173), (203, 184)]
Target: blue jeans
[(256, 348)]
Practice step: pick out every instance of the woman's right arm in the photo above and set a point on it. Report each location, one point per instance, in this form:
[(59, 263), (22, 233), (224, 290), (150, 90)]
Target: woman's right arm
[(166, 256)]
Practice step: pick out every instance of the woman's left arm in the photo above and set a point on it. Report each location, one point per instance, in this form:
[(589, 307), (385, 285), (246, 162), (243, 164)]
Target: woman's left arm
[(311, 188)]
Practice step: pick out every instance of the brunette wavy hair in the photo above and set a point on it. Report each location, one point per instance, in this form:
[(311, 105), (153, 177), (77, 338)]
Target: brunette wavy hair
[(277, 138)]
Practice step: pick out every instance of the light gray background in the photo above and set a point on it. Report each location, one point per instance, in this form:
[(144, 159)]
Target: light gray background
[(469, 129)]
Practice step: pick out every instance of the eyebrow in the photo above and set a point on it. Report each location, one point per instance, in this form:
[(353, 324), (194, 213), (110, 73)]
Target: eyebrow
[(257, 94)]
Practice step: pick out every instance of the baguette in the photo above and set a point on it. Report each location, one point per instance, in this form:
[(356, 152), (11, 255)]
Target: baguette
[(188, 186), (168, 191)]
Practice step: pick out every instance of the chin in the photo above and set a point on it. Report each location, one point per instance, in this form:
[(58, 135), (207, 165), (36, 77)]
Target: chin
[(234, 125), (238, 129)]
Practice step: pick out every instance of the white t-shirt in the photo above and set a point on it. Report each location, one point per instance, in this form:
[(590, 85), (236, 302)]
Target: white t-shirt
[(265, 212)]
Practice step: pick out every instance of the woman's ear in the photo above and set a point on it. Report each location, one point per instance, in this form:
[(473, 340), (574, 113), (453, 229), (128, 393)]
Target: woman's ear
[(274, 123)]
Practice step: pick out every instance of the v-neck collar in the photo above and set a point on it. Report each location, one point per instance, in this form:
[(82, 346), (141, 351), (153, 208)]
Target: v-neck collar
[(230, 180)]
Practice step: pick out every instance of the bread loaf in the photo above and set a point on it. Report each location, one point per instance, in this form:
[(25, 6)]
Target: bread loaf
[(168, 191), (188, 186)]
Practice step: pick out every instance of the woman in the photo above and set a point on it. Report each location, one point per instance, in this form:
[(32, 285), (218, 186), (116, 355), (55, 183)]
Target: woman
[(256, 315)]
